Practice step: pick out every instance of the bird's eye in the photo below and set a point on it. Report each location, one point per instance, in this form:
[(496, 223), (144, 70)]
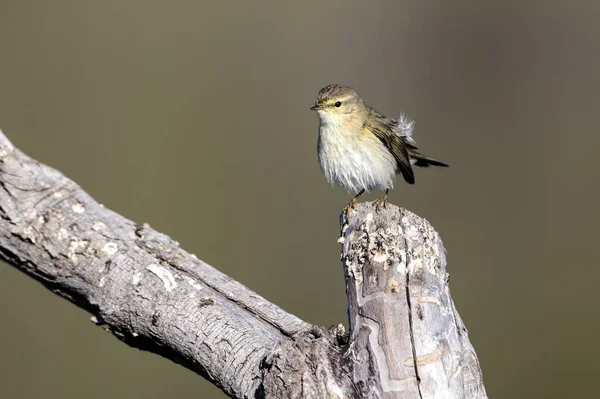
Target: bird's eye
[(338, 104)]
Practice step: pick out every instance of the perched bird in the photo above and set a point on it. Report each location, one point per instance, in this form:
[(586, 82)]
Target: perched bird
[(360, 149)]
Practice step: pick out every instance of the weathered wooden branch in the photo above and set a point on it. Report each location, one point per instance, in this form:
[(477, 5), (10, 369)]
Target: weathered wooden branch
[(406, 338)]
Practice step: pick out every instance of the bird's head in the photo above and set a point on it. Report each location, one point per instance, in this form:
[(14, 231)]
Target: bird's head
[(339, 105)]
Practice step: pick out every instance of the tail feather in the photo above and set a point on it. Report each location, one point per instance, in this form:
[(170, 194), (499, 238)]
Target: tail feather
[(424, 162)]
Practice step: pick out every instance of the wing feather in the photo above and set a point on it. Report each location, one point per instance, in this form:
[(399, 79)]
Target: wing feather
[(384, 129)]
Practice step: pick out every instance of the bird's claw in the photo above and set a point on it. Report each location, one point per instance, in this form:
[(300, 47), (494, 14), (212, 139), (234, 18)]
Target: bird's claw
[(350, 207), (380, 203)]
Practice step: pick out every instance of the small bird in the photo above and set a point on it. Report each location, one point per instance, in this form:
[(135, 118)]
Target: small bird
[(361, 150)]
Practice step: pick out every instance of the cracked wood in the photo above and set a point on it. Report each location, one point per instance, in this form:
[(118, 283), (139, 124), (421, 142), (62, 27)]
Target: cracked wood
[(406, 338)]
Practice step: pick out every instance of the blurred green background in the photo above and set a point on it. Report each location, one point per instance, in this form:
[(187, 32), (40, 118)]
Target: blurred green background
[(194, 117)]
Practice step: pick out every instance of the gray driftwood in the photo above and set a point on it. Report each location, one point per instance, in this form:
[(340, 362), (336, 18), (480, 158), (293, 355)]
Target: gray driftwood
[(406, 339)]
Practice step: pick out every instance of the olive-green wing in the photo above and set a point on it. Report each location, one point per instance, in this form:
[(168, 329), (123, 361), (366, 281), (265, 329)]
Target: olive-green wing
[(383, 129)]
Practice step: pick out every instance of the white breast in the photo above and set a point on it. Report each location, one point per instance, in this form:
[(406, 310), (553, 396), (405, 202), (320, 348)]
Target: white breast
[(354, 161)]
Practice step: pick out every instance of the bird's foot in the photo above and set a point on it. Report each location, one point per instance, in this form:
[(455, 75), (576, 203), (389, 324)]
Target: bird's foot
[(380, 203), (350, 207)]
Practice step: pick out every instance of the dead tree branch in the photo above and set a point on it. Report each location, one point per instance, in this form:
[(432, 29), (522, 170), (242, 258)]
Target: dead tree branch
[(406, 338)]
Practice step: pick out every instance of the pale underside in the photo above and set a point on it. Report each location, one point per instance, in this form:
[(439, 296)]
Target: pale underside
[(355, 162)]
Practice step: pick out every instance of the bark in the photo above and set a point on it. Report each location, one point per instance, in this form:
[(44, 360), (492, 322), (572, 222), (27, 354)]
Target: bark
[(408, 339), (405, 340)]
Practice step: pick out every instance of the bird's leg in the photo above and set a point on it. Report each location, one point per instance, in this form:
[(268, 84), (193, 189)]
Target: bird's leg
[(355, 199), (353, 203), (381, 202)]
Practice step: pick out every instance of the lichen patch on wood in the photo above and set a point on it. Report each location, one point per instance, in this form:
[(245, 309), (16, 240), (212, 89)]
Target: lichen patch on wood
[(164, 275)]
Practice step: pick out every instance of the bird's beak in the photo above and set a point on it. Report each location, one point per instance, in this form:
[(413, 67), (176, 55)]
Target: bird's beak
[(316, 107)]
